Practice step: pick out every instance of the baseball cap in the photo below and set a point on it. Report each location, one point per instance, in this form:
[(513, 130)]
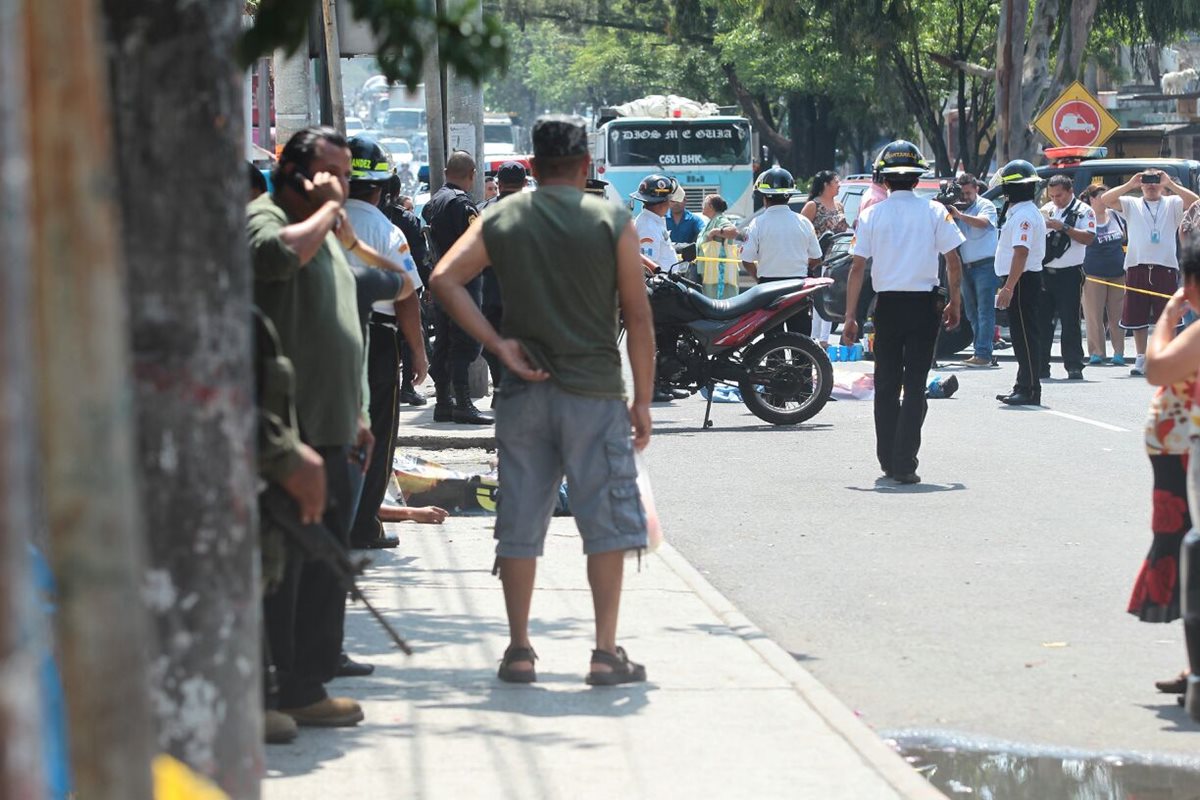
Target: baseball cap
[(511, 173), (559, 136), (679, 195)]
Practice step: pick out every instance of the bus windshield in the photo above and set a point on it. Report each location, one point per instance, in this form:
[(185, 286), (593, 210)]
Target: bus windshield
[(498, 133), (678, 143)]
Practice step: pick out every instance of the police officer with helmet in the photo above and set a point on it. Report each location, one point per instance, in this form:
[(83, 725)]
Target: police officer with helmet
[(654, 243), (781, 244), (1019, 255), (654, 240), (904, 235)]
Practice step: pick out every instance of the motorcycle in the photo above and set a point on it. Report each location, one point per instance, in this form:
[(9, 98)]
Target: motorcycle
[(784, 377)]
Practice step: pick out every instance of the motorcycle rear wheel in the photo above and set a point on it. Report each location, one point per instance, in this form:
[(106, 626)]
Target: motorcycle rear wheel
[(787, 378)]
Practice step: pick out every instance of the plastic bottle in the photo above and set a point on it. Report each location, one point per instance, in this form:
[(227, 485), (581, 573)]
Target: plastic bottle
[(856, 352), (833, 353)]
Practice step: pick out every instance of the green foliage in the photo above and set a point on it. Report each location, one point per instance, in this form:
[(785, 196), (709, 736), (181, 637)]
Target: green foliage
[(1160, 21), (403, 28)]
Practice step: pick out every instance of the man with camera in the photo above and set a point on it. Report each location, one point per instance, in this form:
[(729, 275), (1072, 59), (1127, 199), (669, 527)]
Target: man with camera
[(1071, 227), (975, 217), (1151, 261)]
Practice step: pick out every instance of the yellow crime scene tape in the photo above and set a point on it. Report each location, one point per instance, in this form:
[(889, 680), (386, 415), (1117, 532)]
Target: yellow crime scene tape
[(1129, 288), (714, 259)]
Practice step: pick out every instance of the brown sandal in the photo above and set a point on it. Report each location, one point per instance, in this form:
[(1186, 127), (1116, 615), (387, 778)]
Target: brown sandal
[(623, 670), (514, 654)]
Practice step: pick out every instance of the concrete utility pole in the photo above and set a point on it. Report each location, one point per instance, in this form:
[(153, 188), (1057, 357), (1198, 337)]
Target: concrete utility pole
[(435, 110), (332, 56), (293, 93), (83, 394), (21, 776), (464, 111), (189, 328)]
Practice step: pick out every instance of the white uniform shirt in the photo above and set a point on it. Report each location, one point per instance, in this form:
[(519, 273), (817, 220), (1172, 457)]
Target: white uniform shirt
[(1163, 215), (1085, 222), (373, 227), (1025, 227), (782, 242), (905, 234), (654, 240)]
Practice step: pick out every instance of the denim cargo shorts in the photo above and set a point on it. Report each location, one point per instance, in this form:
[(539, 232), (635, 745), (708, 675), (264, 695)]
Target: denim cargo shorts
[(543, 433)]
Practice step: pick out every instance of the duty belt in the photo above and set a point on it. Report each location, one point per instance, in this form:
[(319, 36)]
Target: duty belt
[(383, 319)]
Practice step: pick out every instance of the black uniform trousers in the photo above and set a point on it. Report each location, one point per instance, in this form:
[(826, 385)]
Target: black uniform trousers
[(1023, 328), (1062, 297), (304, 618), (906, 330), (453, 348), (383, 365)]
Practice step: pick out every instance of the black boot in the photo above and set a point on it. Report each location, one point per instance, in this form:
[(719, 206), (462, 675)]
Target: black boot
[(410, 396), (443, 406), (465, 412)]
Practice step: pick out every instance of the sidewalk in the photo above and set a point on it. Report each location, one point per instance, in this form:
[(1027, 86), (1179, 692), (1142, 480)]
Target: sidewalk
[(419, 431), (726, 714)]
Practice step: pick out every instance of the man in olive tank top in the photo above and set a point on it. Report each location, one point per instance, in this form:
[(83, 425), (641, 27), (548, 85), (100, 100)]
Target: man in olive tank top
[(567, 262)]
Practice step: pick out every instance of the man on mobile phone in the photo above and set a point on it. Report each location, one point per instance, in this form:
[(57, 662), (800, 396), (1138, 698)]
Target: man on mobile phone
[(1151, 260), (304, 286)]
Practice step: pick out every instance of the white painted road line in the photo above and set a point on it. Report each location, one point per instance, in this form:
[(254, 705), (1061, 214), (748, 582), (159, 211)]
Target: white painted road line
[(1084, 420)]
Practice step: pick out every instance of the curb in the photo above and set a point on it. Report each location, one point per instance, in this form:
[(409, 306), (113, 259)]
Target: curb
[(444, 441), (878, 755)]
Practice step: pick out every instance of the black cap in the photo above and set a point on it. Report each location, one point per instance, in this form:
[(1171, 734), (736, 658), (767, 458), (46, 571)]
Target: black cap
[(596, 186), (559, 136), (511, 173)]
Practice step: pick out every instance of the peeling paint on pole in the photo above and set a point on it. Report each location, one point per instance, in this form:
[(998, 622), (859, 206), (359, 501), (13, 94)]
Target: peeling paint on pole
[(178, 117), (85, 425)]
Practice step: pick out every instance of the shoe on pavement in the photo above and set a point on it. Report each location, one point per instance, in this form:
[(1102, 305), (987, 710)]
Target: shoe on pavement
[(384, 541), (411, 397), (1095, 361), (680, 394), (465, 412), (349, 668), (661, 396), (1118, 361), (1176, 685), (279, 728), (1074, 374), (977, 361), (332, 712), (1138, 371), (443, 412), (907, 478), (1020, 399)]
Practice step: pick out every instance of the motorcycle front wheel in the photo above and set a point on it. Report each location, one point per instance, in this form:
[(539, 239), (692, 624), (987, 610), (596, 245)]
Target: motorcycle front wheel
[(787, 378)]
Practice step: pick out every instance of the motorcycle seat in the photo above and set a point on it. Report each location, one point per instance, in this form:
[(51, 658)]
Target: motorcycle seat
[(750, 300)]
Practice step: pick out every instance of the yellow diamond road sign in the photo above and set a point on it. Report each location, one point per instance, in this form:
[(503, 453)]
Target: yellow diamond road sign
[(1076, 119)]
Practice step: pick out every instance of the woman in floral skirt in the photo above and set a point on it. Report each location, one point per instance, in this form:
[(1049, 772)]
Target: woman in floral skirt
[(1171, 364)]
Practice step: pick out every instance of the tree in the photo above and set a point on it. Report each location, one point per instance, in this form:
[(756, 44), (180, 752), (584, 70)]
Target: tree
[(1041, 46)]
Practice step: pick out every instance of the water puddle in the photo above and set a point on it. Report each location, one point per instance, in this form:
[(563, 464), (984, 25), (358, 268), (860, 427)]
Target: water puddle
[(968, 768)]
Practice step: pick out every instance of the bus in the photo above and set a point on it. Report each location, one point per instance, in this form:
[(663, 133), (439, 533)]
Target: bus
[(706, 155)]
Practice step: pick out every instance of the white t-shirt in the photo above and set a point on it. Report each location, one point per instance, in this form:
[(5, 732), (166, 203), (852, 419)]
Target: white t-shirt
[(782, 242), (373, 227), (1144, 219), (905, 234), (1085, 222), (1024, 227), (654, 240)]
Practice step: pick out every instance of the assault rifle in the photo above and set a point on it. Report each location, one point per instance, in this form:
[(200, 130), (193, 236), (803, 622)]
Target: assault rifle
[(316, 543)]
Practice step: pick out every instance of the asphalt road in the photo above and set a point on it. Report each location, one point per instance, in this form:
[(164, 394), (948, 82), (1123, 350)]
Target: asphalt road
[(988, 600)]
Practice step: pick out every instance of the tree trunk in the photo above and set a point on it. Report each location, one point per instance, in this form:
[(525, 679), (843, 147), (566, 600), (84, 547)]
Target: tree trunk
[(778, 143), (86, 428), (1010, 51), (177, 108), (20, 724)]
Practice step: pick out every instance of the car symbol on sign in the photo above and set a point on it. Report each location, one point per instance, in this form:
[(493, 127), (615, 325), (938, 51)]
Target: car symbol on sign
[(1074, 122)]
